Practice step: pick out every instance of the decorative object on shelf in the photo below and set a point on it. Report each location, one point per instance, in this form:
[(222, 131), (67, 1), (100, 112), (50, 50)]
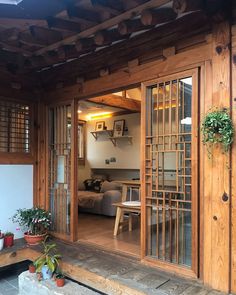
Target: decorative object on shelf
[(8, 239), (118, 128), (100, 126), (217, 128), (48, 261), (1, 240), (36, 221)]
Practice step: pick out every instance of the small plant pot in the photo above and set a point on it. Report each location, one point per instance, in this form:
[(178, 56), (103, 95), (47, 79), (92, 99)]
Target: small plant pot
[(8, 241), (60, 282), (1, 243), (32, 268)]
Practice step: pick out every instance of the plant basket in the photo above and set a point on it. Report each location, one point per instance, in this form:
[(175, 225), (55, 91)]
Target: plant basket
[(34, 239)]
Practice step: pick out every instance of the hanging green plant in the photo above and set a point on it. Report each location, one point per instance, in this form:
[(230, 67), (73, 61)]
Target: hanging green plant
[(217, 128)]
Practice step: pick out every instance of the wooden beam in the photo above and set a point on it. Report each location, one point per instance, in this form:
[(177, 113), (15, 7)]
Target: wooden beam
[(28, 39), (11, 48), (118, 101), (113, 7), (130, 26), (58, 23), (49, 36), (83, 15), (10, 34), (182, 6), (106, 24), (106, 37), (151, 17), (84, 45)]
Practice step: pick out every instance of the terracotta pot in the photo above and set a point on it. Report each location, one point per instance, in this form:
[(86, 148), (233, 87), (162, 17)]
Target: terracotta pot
[(8, 241), (32, 268), (34, 240), (60, 282)]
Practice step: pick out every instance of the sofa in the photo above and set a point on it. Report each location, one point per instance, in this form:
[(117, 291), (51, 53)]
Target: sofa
[(100, 201)]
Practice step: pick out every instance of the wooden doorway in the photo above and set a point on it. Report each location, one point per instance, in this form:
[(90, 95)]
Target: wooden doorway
[(170, 172)]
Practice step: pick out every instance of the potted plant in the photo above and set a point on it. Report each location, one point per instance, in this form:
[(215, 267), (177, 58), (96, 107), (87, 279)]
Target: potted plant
[(48, 261), (8, 239), (36, 221), (60, 278), (1, 240)]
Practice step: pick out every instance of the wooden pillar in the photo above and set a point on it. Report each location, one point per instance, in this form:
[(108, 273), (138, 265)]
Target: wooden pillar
[(233, 161), (217, 172), (41, 157)]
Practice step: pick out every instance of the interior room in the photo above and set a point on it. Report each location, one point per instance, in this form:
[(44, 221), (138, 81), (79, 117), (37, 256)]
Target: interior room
[(109, 138)]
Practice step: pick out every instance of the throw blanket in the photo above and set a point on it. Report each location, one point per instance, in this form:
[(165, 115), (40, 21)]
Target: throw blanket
[(86, 199)]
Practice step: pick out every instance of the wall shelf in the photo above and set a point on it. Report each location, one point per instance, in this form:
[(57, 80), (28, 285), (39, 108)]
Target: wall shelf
[(114, 139), (96, 134)]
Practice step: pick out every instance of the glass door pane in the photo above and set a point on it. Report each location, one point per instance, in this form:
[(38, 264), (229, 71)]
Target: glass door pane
[(168, 168)]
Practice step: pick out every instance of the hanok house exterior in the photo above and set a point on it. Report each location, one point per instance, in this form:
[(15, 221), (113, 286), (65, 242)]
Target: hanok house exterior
[(182, 53)]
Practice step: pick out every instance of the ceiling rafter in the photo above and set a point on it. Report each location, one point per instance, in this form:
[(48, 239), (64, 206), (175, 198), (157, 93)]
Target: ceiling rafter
[(105, 25)]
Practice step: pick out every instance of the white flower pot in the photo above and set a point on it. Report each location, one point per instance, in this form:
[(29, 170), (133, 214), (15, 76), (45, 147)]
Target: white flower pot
[(1, 244)]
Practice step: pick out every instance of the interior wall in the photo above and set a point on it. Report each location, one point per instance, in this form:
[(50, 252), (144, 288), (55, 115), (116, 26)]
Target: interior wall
[(127, 155), (16, 191)]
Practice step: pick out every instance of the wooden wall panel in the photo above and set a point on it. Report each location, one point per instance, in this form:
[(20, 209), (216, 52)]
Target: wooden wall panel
[(233, 161), (217, 173)]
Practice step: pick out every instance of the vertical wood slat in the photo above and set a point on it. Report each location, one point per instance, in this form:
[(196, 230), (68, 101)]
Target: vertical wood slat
[(216, 266), (233, 161)]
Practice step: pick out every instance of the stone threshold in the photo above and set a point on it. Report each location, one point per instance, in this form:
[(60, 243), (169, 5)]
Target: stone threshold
[(110, 273)]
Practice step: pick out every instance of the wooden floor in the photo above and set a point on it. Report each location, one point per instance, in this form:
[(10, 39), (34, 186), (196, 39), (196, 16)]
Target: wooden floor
[(98, 230)]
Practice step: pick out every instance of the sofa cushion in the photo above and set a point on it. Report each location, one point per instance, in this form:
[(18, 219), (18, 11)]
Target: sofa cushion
[(110, 186)]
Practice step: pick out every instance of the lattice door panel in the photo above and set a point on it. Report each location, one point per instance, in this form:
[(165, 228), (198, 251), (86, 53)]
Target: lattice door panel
[(60, 167), (170, 197)]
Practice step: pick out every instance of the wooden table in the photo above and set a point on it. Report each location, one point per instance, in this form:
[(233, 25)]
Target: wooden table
[(122, 209)]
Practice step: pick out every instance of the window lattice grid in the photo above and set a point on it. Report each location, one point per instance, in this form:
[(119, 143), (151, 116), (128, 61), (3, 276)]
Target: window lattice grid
[(14, 127)]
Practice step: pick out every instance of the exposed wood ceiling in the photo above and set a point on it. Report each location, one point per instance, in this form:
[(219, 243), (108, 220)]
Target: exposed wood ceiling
[(37, 34)]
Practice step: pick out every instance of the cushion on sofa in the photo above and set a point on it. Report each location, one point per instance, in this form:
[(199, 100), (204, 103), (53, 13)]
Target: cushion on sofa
[(110, 186)]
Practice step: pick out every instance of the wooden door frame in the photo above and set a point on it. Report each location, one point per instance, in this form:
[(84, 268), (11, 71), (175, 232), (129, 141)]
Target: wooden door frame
[(194, 271), (74, 154)]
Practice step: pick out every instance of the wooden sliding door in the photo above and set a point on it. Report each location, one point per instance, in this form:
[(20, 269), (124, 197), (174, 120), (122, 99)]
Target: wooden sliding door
[(170, 158), (62, 169)]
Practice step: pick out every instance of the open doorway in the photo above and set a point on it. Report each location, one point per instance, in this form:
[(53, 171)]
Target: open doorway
[(109, 139)]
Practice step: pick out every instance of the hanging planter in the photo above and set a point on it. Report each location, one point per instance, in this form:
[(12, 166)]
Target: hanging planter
[(217, 129)]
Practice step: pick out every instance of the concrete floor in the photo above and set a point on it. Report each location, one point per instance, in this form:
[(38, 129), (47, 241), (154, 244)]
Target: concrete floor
[(9, 278)]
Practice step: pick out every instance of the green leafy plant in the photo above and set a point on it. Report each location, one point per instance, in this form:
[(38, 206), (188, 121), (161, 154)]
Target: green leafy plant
[(59, 274), (217, 128), (8, 234), (35, 220), (50, 257)]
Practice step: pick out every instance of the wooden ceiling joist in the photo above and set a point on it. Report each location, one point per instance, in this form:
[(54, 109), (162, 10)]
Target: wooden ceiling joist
[(182, 6), (58, 23), (105, 25), (83, 15), (106, 37), (50, 36), (84, 45), (113, 7), (118, 101), (130, 26), (28, 39), (152, 17), (10, 34)]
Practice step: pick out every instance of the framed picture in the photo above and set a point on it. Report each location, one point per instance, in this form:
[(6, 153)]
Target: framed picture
[(100, 126), (118, 128)]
